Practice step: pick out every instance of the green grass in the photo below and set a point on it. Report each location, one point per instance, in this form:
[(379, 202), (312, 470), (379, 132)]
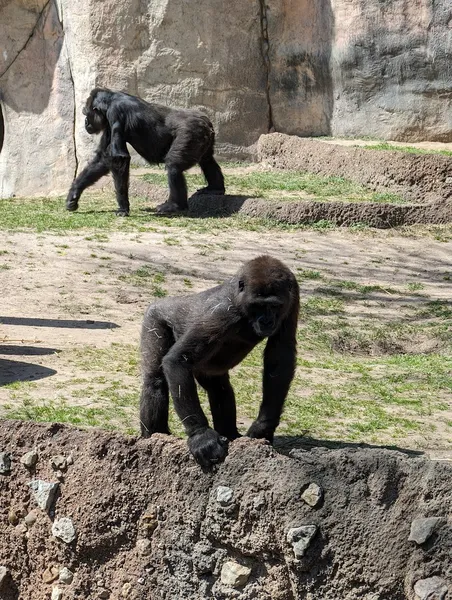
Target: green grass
[(145, 276), (268, 184), (405, 149)]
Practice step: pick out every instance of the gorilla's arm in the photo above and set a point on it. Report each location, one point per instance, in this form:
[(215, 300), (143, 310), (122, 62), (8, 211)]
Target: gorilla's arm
[(279, 367), (206, 445)]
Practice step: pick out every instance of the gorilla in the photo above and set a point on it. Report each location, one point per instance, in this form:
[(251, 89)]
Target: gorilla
[(199, 338), (179, 138)]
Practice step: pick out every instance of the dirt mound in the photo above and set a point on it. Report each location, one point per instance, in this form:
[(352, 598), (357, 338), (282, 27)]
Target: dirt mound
[(422, 178), (150, 524)]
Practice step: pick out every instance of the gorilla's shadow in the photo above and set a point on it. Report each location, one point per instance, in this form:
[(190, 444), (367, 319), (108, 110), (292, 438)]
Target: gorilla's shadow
[(284, 444), (14, 370), (205, 206), (63, 323)]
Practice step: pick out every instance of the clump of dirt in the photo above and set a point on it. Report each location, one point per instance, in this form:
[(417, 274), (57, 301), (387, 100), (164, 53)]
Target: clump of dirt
[(149, 523), (380, 344)]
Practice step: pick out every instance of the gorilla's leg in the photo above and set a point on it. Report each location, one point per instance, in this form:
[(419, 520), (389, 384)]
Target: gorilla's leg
[(94, 170), (212, 173), (177, 191), (222, 404), (156, 340), (120, 167)]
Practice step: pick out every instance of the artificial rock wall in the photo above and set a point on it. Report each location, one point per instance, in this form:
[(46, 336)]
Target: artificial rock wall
[(378, 68)]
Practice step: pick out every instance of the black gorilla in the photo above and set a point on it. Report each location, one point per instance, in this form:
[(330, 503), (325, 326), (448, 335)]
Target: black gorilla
[(179, 138), (201, 337)]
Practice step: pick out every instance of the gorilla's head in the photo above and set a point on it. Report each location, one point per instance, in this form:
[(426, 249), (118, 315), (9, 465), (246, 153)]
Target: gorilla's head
[(95, 111), (264, 295)]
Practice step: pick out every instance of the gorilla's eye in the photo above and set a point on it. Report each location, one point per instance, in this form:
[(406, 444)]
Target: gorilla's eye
[(241, 285)]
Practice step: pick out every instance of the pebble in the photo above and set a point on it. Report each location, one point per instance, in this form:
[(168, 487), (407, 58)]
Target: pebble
[(313, 494), (300, 538), (422, 529), (57, 594), (433, 588), (70, 460), (29, 459), (143, 546), (64, 530), (50, 574), (126, 590), (258, 501), (44, 493), (104, 594), (31, 518), (224, 495), (234, 574), (65, 576), (3, 575), (21, 529), (5, 463), (58, 462), (13, 517)]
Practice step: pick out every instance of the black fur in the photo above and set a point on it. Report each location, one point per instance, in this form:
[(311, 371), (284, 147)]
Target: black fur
[(201, 337), (179, 138)]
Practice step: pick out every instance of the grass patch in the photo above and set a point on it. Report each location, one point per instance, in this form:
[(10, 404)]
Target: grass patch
[(145, 276), (267, 184), (404, 149)]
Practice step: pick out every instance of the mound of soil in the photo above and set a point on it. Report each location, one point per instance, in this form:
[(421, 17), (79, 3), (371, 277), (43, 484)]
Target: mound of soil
[(150, 524), (423, 178)]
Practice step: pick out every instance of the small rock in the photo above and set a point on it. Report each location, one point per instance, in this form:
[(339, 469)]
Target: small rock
[(13, 517), (313, 494), (58, 462), (224, 495), (57, 594), (50, 574), (65, 576), (44, 493), (30, 519), (64, 530), (433, 588), (70, 460), (422, 529), (300, 538), (126, 590), (29, 459), (143, 546), (3, 575), (5, 463), (234, 574), (21, 529), (140, 580), (104, 594), (258, 501)]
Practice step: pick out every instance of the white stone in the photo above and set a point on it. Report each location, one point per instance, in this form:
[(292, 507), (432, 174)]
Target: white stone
[(29, 459), (64, 530), (57, 594), (44, 493), (224, 495), (433, 588), (312, 494), (234, 574), (300, 538), (65, 576), (422, 529)]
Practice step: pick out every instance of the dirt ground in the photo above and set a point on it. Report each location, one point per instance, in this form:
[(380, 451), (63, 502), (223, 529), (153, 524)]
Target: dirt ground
[(148, 523), (66, 292)]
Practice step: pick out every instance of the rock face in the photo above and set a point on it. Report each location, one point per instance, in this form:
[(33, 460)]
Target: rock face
[(352, 546), (304, 67)]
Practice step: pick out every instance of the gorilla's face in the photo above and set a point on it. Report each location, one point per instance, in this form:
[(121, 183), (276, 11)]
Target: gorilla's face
[(95, 121), (264, 308)]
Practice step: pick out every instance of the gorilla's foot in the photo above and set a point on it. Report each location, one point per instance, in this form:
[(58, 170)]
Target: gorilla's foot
[(210, 191), (168, 208), (122, 213)]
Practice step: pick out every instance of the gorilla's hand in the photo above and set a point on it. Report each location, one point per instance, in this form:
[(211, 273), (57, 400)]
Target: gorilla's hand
[(261, 430), (72, 200), (208, 447)]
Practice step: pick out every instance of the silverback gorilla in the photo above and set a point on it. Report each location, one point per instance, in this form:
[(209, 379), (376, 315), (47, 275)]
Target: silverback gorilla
[(200, 337), (179, 138)]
